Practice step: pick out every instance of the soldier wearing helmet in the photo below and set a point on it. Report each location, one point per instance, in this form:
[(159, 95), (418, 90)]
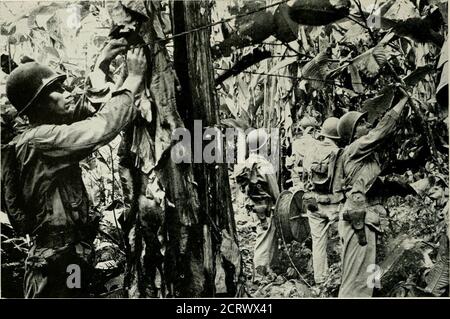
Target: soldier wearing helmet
[(53, 197), (322, 206), (303, 143), (257, 178), (357, 171)]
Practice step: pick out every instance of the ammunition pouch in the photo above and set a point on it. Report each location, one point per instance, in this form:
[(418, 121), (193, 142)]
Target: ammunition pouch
[(357, 219)]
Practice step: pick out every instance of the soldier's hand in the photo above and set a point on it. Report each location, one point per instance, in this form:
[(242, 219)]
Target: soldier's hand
[(136, 62), (112, 49)]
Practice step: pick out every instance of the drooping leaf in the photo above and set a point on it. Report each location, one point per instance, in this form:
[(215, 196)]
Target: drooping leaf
[(371, 61), (418, 74), (316, 70)]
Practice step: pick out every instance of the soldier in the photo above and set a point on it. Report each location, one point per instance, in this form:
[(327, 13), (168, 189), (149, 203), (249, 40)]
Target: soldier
[(257, 177), (322, 205), (53, 198), (302, 145), (358, 169)]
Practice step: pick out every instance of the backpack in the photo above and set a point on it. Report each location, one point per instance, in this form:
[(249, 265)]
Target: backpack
[(322, 172), (11, 197), (251, 183)]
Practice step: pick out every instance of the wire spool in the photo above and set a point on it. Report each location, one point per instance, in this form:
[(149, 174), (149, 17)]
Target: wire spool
[(291, 217)]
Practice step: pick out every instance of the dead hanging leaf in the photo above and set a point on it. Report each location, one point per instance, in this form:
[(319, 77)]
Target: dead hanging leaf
[(371, 61), (438, 277), (316, 70), (230, 251)]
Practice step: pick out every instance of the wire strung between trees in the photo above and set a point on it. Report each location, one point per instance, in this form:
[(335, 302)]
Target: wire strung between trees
[(211, 24), (330, 82)]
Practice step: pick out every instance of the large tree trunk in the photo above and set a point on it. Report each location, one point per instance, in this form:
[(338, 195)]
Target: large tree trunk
[(216, 241)]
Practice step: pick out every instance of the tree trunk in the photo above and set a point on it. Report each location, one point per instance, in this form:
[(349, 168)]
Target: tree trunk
[(216, 241)]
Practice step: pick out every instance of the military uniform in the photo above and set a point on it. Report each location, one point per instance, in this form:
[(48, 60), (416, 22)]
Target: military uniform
[(361, 215), (54, 199), (325, 211), (258, 179)]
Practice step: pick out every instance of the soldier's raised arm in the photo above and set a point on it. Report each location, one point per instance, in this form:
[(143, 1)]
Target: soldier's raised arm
[(82, 137), (368, 140)]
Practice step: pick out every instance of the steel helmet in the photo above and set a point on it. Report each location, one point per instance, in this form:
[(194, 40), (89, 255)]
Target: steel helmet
[(26, 83), (256, 139), (347, 125), (308, 121), (329, 128)]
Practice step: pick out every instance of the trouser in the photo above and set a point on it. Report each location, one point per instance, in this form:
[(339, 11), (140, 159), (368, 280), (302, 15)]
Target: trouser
[(357, 262), (266, 246), (59, 272), (320, 221)]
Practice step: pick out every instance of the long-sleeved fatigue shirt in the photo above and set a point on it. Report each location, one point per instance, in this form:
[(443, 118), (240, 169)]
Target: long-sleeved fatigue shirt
[(360, 159), (360, 167), (53, 195)]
